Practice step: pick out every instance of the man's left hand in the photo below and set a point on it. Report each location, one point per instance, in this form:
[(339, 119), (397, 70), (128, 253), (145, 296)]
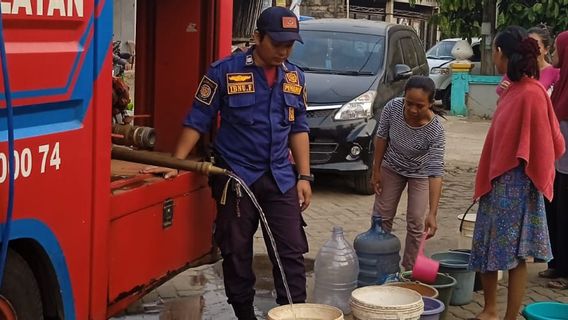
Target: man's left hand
[(304, 194), (430, 225)]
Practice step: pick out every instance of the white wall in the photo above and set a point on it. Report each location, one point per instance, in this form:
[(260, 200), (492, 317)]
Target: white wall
[(124, 20)]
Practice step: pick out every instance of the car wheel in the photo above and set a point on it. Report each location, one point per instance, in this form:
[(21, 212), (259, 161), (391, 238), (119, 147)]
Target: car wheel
[(447, 98), (363, 183)]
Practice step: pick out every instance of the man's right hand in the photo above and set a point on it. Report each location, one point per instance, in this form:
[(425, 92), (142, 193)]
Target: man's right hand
[(166, 172)]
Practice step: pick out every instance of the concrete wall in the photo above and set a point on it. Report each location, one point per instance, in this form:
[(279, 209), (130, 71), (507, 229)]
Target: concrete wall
[(481, 100), (124, 20), (323, 8)]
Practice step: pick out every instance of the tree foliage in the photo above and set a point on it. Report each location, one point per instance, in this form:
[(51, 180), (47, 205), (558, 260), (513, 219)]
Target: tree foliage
[(459, 18), (462, 18), (525, 13)]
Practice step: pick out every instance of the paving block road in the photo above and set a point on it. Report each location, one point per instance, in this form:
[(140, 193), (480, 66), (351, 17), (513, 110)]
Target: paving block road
[(335, 203)]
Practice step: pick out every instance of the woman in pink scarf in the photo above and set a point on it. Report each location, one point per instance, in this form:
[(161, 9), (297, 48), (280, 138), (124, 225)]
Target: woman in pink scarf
[(515, 173), (548, 73), (557, 211)]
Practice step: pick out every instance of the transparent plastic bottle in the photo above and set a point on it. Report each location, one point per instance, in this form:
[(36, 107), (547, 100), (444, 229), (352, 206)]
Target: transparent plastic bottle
[(336, 269), (378, 252)]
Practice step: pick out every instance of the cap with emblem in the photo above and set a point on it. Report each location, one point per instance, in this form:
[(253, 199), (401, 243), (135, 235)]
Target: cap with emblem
[(280, 24)]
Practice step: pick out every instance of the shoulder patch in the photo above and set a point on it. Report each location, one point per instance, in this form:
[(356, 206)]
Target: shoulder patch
[(206, 90)]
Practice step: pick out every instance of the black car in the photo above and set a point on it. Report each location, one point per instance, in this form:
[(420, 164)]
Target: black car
[(353, 68)]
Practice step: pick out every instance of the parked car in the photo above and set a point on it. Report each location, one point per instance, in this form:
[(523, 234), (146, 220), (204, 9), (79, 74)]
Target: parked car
[(439, 60), (353, 68)]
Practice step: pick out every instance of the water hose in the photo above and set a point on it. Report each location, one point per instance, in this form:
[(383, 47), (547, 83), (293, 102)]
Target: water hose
[(11, 161), (164, 160)]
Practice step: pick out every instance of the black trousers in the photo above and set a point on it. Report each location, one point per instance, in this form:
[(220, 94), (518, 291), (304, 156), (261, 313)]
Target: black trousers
[(557, 217), (236, 223)]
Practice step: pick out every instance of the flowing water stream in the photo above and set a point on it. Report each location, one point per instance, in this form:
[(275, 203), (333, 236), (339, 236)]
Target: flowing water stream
[(269, 233)]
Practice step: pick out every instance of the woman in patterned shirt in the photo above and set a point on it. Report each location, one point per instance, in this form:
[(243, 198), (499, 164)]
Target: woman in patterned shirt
[(409, 150)]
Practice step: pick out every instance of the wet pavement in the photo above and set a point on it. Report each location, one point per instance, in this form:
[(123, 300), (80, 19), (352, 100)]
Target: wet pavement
[(334, 203)]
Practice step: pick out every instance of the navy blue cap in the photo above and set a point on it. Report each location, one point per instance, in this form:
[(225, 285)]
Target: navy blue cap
[(280, 24)]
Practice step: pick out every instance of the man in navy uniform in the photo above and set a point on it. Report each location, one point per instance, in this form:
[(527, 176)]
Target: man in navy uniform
[(261, 98)]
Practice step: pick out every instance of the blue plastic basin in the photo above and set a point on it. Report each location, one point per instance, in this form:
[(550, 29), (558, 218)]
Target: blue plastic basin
[(546, 311), (433, 309)]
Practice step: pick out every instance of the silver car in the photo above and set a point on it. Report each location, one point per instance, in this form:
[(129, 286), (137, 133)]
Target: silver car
[(439, 59)]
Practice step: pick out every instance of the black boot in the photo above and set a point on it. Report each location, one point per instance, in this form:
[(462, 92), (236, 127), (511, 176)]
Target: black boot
[(244, 311)]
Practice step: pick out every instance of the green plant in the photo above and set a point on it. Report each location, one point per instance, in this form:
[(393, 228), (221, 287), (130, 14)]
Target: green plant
[(524, 13), (459, 18)]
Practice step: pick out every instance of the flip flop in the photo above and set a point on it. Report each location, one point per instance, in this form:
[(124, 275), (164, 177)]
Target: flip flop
[(560, 284), (548, 274)]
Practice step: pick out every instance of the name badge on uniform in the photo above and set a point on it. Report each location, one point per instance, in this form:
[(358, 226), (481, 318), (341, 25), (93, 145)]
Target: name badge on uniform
[(249, 61), (291, 115), (292, 77), (240, 83), (292, 88), (206, 90)]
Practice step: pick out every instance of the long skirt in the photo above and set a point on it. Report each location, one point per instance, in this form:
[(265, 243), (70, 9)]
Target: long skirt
[(510, 225)]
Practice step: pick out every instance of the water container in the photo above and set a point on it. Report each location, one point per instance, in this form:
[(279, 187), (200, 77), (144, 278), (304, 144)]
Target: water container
[(546, 311), (378, 252), (336, 269), (433, 309), (456, 265), (386, 303)]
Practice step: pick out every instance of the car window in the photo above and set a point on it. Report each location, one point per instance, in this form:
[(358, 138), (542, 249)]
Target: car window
[(476, 53), (409, 52), (442, 50), (419, 51), (396, 53), (339, 52)]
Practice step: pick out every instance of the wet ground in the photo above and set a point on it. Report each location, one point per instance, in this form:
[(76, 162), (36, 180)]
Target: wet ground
[(199, 294)]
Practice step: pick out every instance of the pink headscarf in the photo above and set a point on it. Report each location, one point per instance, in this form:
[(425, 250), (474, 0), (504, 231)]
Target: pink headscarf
[(560, 94)]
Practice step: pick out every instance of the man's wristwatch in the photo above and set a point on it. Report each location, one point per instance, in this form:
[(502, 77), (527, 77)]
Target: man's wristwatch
[(309, 178)]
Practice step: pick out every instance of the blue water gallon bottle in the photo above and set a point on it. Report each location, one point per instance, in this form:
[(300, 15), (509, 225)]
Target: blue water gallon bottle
[(336, 269), (378, 252)]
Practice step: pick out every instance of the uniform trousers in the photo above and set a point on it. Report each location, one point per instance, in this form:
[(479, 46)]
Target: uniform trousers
[(236, 223)]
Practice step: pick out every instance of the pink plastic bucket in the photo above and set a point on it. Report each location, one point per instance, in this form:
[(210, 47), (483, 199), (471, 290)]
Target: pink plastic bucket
[(425, 269)]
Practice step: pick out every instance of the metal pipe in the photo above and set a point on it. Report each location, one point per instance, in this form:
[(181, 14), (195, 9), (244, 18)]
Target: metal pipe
[(129, 135), (164, 160)]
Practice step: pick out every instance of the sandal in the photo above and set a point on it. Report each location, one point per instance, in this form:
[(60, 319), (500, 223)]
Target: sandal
[(548, 274), (560, 284)]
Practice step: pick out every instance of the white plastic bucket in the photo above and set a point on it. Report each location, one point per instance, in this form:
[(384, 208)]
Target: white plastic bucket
[(386, 303), (465, 241), (305, 311), (466, 234)]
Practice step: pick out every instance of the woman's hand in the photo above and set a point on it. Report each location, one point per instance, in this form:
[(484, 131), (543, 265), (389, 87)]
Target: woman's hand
[(504, 84), (376, 181), (430, 225), (166, 172)]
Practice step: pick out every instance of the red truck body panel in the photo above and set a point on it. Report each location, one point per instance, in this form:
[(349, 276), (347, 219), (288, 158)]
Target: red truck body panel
[(106, 240)]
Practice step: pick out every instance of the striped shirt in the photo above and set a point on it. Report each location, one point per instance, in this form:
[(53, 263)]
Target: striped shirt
[(413, 152)]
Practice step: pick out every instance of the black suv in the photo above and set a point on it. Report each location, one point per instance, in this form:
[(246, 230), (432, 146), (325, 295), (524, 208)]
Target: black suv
[(353, 68)]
